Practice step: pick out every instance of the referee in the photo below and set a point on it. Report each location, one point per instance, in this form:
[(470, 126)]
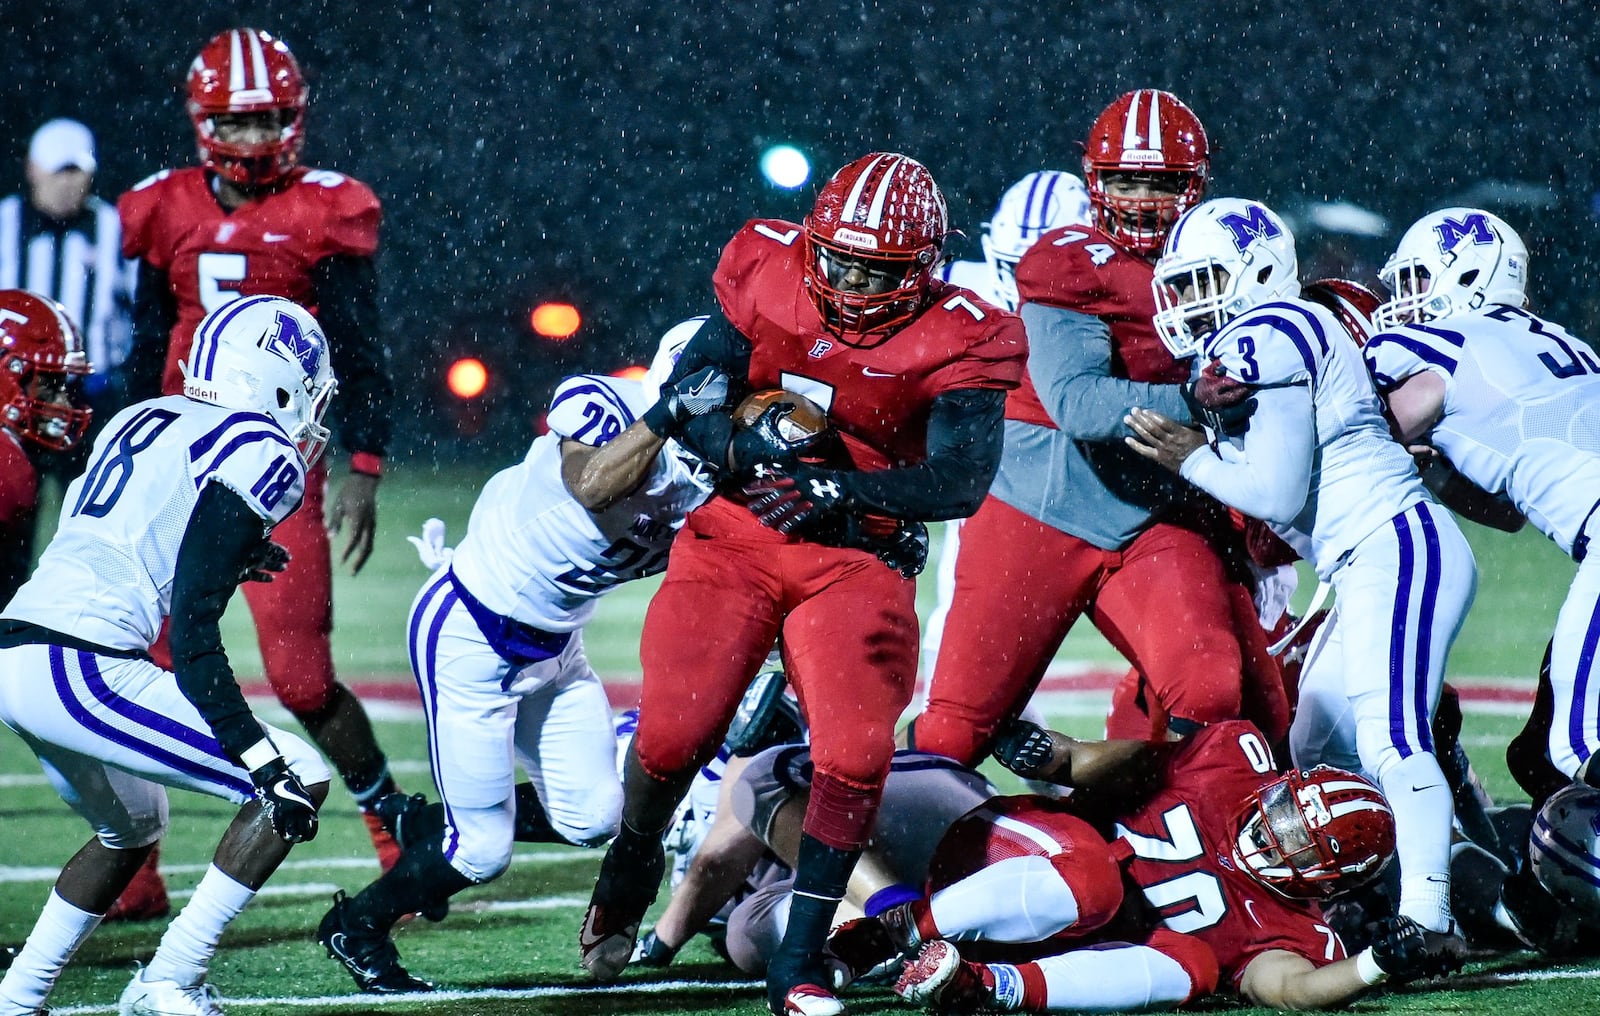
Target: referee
[(59, 241)]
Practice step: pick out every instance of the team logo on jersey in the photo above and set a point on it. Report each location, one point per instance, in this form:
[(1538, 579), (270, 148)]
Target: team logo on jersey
[(304, 347), (820, 350), (1249, 226), (1474, 227)]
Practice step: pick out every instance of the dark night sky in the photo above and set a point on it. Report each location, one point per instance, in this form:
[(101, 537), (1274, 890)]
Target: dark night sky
[(604, 152)]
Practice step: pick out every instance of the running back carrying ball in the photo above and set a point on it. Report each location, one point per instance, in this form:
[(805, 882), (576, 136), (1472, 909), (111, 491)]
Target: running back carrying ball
[(795, 418)]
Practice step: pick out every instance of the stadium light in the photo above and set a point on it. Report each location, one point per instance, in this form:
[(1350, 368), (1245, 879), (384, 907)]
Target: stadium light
[(785, 166), (467, 378), (556, 320)]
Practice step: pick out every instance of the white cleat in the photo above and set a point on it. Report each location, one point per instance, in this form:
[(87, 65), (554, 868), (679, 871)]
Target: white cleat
[(167, 998)]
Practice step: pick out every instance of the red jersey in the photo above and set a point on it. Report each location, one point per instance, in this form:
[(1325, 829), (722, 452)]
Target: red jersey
[(1079, 268), (877, 399), (266, 246), (19, 498), (1181, 841)]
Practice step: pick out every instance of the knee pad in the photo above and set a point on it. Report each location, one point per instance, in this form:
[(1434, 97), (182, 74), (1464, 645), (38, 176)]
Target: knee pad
[(480, 862), (596, 824), (1193, 955), (304, 693), (937, 732), (137, 828)]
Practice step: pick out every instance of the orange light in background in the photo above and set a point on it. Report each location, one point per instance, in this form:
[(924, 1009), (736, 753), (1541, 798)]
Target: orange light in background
[(556, 320), (634, 373), (468, 377)]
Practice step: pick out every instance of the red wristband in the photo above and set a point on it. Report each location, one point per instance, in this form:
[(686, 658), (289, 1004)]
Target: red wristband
[(366, 464)]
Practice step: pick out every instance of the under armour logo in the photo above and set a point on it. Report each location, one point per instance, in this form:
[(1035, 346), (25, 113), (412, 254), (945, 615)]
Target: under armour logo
[(1249, 226), (766, 471), (824, 488), (1474, 227)]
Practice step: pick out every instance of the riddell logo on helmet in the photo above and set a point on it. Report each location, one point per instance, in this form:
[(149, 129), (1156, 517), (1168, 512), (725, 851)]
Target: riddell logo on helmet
[(855, 239), (1143, 155)]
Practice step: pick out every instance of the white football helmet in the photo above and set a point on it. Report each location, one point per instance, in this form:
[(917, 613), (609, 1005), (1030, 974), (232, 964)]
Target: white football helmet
[(1031, 207), (268, 355), (1222, 257), (1564, 849), (1453, 261)]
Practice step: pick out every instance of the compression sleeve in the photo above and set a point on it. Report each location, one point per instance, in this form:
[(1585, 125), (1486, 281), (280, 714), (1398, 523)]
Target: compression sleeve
[(1069, 360), (347, 308), (718, 343), (155, 311), (965, 438), (222, 537), (1270, 477)]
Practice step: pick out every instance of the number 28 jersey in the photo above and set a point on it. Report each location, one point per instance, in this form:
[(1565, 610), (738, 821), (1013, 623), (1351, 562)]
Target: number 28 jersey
[(1182, 843), (106, 577)]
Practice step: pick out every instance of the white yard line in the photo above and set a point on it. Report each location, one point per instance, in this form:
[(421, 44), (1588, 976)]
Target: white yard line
[(18, 873)]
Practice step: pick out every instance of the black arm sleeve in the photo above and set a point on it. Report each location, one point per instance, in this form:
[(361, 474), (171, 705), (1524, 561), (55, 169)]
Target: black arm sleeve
[(717, 344), (347, 309), (223, 535), (966, 433), (155, 311)]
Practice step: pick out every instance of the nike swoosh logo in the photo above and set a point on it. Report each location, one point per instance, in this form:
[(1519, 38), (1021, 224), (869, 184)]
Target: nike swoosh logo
[(274, 237), (1431, 786), (586, 935), (869, 372), (336, 943)]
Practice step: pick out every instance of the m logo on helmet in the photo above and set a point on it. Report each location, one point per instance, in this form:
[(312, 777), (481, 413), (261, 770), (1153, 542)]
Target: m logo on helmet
[(1249, 226), (1473, 227), (305, 348)]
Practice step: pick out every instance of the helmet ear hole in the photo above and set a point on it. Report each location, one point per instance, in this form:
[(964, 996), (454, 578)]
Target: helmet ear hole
[(283, 398), (1467, 278), (1263, 275)]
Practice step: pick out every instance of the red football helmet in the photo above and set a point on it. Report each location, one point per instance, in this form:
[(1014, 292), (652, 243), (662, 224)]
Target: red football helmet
[(884, 214), (1147, 131), (1351, 302), (246, 70), (39, 347), (1308, 835)]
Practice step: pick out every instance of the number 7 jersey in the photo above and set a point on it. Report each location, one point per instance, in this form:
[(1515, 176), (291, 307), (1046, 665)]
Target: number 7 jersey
[(106, 577)]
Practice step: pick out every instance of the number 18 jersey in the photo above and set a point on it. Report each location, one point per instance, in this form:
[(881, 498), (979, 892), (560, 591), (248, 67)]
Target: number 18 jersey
[(106, 577)]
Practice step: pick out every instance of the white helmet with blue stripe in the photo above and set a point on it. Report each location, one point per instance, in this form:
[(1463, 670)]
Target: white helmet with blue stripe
[(268, 355), (1222, 257), (1453, 261), (1030, 208), (1564, 848)]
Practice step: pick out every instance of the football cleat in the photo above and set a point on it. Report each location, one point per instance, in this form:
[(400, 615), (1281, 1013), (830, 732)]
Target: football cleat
[(367, 953), (810, 1000), (167, 998), (611, 924), (940, 980), (145, 898), (861, 949)]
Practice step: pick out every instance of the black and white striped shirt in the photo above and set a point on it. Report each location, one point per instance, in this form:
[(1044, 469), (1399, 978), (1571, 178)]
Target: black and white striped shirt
[(80, 264)]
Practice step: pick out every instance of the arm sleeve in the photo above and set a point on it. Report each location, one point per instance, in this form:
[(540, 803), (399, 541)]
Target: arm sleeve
[(965, 438), (718, 343), (155, 311), (1271, 478), (223, 534), (347, 308), (1069, 360)]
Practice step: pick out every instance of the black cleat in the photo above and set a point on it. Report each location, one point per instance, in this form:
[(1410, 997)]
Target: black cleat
[(624, 891), (365, 951)]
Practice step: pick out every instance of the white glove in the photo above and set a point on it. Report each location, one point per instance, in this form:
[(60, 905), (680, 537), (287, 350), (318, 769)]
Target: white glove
[(430, 545)]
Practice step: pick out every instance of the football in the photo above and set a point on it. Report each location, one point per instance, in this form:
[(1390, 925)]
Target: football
[(805, 422)]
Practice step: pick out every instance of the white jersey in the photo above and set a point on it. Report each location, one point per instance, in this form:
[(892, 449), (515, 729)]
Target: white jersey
[(1349, 477), (1521, 408), (974, 275), (106, 577), (534, 554)]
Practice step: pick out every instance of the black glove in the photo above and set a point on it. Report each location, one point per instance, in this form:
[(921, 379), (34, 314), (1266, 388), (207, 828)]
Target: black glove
[(288, 805), (801, 500), (704, 391), (1220, 402), (267, 560), (906, 551), (652, 952), (762, 443), (1024, 748), (1407, 951)]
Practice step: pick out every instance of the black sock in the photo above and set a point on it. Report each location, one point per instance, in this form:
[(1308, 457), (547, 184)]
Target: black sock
[(533, 823), (420, 880), (819, 883)]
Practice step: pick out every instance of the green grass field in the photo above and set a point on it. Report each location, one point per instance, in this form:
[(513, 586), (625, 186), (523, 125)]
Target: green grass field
[(510, 947)]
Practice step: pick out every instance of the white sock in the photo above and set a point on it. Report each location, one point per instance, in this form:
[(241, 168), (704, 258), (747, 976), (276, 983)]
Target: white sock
[(1019, 899), (1424, 816), (61, 928), (191, 940), (1114, 978)]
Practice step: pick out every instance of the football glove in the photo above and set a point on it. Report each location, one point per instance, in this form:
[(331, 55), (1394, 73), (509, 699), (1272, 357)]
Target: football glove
[(704, 391), (288, 805), (1407, 951), (762, 443), (799, 500), (1024, 748), (906, 550), (264, 562), (1220, 402)]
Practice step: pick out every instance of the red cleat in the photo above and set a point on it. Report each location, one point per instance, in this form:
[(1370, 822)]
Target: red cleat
[(810, 1000), (145, 899), (940, 980), (388, 850)]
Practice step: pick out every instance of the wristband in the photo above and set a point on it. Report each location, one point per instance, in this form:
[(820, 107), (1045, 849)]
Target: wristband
[(1368, 970), (366, 463), (257, 755)]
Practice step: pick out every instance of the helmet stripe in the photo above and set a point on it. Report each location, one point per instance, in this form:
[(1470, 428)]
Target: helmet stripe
[(875, 213), (1130, 126), (1153, 131), (208, 338), (258, 62), (1034, 219), (853, 202), (235, 61)]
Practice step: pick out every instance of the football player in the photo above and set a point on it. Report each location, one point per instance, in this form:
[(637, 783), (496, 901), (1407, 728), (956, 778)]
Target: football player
[(251, 220), (1228, 855), (1031, 207), (1076, 524), (497, 646), (1297, 438), (845, 310), (174, 511)]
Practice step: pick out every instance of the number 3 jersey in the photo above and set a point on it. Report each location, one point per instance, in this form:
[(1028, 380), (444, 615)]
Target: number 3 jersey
[(106, 577), (534, 554), (1521, 408), (1182, 839)]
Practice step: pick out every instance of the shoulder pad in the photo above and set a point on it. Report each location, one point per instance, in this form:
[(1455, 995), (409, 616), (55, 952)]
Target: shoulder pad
[(592, 408), (1276, 343)]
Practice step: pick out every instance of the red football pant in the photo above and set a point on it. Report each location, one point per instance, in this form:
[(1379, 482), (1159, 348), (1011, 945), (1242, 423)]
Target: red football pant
[(1164, 602), (849, 646)]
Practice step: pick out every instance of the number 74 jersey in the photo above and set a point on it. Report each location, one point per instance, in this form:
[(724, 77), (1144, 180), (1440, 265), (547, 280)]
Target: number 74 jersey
[(1181, 838), (106, 577)]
